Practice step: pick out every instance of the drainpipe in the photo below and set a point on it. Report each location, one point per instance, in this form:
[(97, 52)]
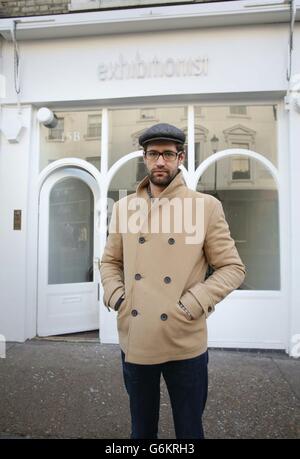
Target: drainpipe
[(12, 125)]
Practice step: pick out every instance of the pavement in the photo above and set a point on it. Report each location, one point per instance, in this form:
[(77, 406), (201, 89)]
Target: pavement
[(74, 389)]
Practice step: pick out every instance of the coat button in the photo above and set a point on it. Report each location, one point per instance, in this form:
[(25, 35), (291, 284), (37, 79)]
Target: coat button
[(134, 313), (167, 280), (171, 241), (164, 316), (142, 240), (137, 276)]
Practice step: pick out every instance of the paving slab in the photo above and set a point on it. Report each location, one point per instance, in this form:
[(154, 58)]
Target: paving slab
[(61, 389)]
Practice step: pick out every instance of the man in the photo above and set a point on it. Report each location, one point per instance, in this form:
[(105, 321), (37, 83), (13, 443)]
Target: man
[(155, 279)]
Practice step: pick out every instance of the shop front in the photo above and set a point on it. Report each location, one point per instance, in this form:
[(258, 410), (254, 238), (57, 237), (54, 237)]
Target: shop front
[(226, 87)]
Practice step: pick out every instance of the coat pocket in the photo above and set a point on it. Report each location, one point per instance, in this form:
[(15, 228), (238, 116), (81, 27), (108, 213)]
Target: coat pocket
[(122, 306), (189, 302), (184, 310)]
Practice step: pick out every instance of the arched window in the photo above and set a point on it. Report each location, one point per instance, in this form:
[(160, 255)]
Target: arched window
[(252, 212)]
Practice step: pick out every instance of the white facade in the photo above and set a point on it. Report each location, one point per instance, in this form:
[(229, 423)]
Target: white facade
[(107, 84)]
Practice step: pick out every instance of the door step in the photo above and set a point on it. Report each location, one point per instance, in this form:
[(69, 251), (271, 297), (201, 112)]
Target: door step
[(80, 337)]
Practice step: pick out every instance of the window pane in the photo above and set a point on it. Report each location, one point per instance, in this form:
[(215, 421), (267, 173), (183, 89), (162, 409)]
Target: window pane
[(126, 125), (126, 178), (252, 127), (124, 181), (57, 133), (76, 135), (241, 168), (251, 209), (71, 229), (238, 110), (94, 126)]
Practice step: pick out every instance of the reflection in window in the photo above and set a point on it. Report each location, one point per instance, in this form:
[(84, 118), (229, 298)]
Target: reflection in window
[(241, 168), (198, 111), (251, 209), (141, 169), (121, 185), (77, 135), (201, 136), (240, 136), (94, 160), (147, 114), (125, 127), (94, 126), (255, 130), (238, 110), (197, 154), (124, 179), (57, 133)]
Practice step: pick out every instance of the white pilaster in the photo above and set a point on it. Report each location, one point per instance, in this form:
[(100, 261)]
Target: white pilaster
[(294, 149)]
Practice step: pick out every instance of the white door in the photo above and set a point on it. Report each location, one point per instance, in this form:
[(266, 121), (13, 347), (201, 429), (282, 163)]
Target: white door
[(68, 275)]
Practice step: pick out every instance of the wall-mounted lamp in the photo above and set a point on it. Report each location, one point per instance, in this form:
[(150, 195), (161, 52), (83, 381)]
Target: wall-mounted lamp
[(214, 143), (47, 117)]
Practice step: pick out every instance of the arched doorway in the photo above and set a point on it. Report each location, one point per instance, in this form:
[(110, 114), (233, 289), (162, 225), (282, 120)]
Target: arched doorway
[(68, 284)]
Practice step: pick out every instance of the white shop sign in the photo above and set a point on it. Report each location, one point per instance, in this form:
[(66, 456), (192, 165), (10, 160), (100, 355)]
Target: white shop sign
[(125, 69)]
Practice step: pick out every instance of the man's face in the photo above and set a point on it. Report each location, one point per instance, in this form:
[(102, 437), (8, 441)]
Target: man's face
[(162, 170)]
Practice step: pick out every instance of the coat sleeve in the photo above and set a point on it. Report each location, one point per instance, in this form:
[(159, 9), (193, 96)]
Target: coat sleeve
[(222, 255), (111, 267)]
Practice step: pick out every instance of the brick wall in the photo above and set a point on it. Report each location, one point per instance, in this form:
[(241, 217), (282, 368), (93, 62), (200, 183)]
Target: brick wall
[(11, 8)]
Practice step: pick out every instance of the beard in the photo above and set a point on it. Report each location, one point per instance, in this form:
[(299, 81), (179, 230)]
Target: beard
[(162, 180)]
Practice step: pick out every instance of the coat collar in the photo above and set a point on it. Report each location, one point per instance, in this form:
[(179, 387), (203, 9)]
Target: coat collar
[(176, 188)]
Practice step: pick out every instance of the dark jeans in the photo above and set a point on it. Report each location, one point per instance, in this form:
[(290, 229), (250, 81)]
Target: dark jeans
[(186, 381)]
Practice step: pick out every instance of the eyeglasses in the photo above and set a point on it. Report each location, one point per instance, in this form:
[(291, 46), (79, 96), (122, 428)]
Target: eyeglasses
[(168, 155)]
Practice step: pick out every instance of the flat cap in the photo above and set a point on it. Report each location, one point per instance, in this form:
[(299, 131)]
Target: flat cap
[(162, 131)]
